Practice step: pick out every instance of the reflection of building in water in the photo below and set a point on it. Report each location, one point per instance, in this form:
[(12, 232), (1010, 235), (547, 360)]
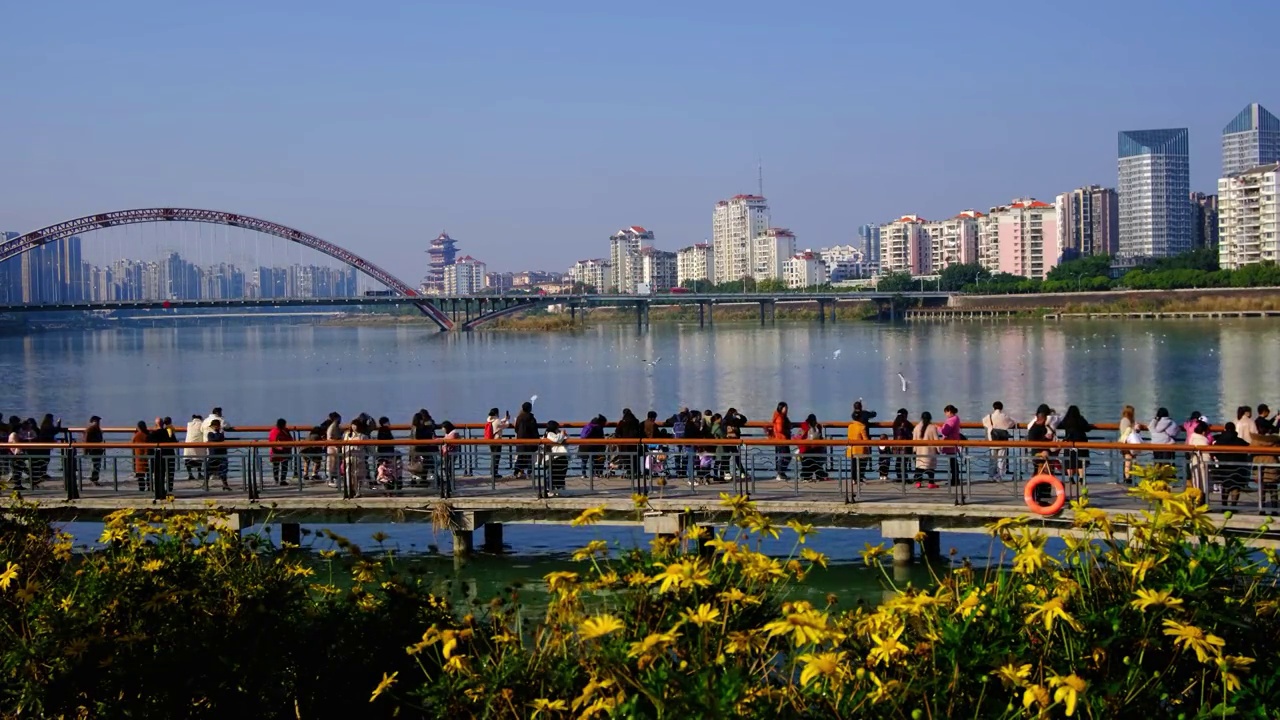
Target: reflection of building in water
[(1244, 372)]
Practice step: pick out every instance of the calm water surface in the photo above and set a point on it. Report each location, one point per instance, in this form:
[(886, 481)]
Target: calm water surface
[(301, 373)]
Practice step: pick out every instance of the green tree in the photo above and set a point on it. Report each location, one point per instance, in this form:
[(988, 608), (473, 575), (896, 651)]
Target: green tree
[(896, 283), (771, 285), (955, 277), (1082, 269)]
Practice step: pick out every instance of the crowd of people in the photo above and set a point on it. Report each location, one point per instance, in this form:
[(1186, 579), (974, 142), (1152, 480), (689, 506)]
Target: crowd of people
[(627, 452)]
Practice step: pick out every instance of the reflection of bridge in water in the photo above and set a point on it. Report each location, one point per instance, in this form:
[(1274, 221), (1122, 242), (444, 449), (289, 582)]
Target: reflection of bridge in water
[(461, 312)]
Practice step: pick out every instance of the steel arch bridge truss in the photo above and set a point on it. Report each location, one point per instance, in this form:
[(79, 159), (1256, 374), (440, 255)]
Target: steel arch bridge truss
[(36, 238)]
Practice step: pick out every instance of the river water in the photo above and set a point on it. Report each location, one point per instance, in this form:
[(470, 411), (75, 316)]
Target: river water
[(260, 372)]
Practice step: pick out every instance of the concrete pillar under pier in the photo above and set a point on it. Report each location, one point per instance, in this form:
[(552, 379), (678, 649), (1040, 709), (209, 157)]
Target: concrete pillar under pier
[(291, 533), (493, 538), (702, 315), (761, 313), (904, 550), (833, 310), (573, 314), (932, 545), (462, 543), (822, 312), (711, 318)]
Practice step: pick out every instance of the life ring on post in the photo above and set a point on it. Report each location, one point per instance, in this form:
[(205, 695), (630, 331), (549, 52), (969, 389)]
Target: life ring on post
[(1059, 495)]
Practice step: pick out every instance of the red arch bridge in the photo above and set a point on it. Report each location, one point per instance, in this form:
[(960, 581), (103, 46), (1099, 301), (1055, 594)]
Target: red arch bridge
[(448, 313)]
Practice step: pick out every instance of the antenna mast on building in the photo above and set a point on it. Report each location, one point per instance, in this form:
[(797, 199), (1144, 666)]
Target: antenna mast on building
[(760, 175)]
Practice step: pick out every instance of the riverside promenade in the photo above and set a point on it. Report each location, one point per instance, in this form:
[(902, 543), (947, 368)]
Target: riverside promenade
[(661, 504)]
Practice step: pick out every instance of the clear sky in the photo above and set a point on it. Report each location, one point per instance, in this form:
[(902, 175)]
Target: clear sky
[(532, 130)]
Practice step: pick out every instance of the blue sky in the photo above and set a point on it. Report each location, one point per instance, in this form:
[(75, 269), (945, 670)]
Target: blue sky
[(531, 131)]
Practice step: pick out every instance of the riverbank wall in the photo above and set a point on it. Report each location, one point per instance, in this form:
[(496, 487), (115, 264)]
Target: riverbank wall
[(1123, 301)]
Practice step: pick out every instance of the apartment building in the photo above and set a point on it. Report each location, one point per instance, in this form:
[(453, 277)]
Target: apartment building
[(1020, 238), (1247, 217), (772, 249), (696, 262), (904, 246), (736, 223)]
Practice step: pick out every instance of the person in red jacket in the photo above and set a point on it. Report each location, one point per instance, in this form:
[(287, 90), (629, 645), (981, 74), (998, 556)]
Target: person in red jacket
[(280, 455)]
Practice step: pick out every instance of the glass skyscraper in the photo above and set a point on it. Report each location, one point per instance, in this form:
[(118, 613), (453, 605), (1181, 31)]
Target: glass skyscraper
[(1250, 140), (1155, 184)]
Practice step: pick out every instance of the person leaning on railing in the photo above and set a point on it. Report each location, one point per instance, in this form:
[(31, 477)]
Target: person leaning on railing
[(859, 455), (217, 457), (141, 456), (93, 435)]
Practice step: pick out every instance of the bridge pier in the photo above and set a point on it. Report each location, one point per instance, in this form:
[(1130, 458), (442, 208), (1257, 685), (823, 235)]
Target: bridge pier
[(573, 319), (642, 315), (702, 315), (290, 533), (761, 313), (493, 538), (463, 543), (932, 545), (822, 312)]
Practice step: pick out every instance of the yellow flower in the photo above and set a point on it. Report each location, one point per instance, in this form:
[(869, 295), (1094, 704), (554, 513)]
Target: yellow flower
[(652, 644), (9, 575), (697, 532), (739, 504), (595, 547), (561, 580), (1013, 675), (152, 565), (387, 682), (704, 615), (1003, 525), (1035, 694), (636, 578), (871, 555), (1191, 637), (599, 626), (1030, 559), (762, 526), (590, 516), (830, 665), (662, 546), (803, 623), (1068, 690), (1147, 598), (734, 596), (888, 648), (743, 642), (1138, 570), (1231, 681), (884, 690), (28, 591), (1048, 611), (971, 606), (682, 575), (66, 603), (543, 705), (814, 557), (640, 501), (802, 531)]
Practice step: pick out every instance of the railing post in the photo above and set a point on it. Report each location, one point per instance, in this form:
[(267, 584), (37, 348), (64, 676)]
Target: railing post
[(251, 472), (70, 473)]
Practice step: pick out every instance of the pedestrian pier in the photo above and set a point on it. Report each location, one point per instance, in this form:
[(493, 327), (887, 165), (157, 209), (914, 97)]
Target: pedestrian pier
[(463, 496)]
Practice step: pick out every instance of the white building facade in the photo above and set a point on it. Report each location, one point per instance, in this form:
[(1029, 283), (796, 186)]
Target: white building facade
[(624, 258), (658, 269), (594, 273), (464, 277), (904, 246), (804, 270), (845, 262), (1247, 217), (696, 262), (1155, 182), (953, 241), (735, 225), (773, 248), (1020, 238)]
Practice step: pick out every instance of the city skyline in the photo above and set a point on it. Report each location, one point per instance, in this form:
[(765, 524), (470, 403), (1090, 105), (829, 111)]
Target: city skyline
[(575, 139)]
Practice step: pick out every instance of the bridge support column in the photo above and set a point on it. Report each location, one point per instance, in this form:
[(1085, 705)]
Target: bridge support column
[(773, 312), (932, 545), (904, 551), (290, 533), (822, 312), (711, 315), (761, 313), (573, 314), (493, 538), (833, 310), (462, 543), (702, 315)]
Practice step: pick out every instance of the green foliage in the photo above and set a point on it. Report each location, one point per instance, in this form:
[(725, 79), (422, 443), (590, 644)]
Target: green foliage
[(897, 283), (1085, 268), (956, 277)]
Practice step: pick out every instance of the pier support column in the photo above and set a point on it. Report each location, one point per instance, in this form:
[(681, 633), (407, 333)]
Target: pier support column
[(573, 314), (833, 310), (493, 538), (822, 312), (702, 315), (462, 543), (291, 533), (904, 551), (711, 317), (773, 312), (932, 545), (232, 524), (761, 313)]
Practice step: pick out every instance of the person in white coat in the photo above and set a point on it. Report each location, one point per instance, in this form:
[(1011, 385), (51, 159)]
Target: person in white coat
[(193, 457), (1000, 428)]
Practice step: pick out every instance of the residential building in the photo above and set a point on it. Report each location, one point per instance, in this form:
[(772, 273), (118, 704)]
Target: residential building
[(526, 279), (953, 241), (696, 262), (624, 257), (844, 262), (772, 248), (1155, 182), (1204, 220), (804, 270), (593, 274), (869, 242), (1251, 140), (1088, 221), (658, 269), (1020, 238), (464, 277), (441, 254), (498, 281), (904, 246), (736, 223), (1247, 217)]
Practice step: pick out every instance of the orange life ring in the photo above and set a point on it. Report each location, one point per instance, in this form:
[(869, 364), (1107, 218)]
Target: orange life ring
[(1060, 495)]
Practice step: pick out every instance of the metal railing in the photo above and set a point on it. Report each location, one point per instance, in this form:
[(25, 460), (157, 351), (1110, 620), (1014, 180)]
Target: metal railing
[(873, 470)]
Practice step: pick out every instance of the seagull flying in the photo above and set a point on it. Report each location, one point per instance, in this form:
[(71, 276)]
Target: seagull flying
[(835, 355), (904, 382), (533, 399), (654, 361)]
